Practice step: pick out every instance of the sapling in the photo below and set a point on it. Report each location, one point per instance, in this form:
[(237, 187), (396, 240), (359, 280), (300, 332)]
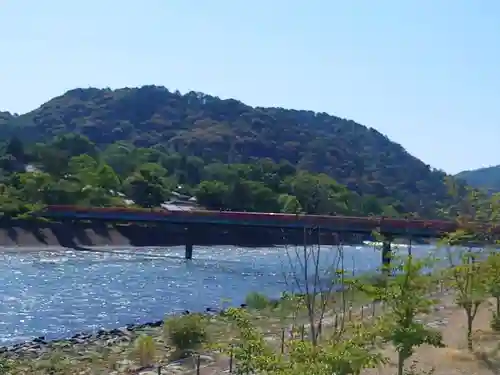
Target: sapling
[(346, 356), (492, 266), (405, 296), (145, 350), (317, 277), (477, 215), (468, 281)]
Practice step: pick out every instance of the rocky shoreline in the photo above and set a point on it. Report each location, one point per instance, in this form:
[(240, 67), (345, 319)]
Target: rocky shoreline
[(80, 341), (87, 341)]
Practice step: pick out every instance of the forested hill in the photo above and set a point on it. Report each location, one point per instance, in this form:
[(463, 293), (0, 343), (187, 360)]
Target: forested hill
[(229, 131), (484, 178)]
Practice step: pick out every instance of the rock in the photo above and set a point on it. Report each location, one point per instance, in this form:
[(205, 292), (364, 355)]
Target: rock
[(116, 332), (40, 339), (101, 333), (116, 337), (77, 341), (123, 332), (206, 358), (173, 368), (125, 364), (148, 372)]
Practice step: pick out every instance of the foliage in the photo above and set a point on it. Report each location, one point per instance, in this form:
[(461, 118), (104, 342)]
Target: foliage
[(492, 265), (468, 280), (254, 354), (471, 276), (54, 364), (70, 169), (5, 366), (495, 322), (145, 350), (196, 136), (257, 301), (405, 295), (186, 332)]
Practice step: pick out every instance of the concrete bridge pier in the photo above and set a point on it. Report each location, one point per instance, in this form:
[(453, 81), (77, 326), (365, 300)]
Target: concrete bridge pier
[(188, 253)]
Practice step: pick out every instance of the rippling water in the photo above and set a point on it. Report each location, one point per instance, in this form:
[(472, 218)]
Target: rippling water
[(58, 293)]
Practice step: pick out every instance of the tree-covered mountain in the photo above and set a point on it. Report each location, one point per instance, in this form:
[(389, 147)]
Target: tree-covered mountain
[(484, 178), (219, 132)]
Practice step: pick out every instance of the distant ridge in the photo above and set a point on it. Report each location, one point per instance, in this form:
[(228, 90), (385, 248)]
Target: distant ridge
[(485, 178)]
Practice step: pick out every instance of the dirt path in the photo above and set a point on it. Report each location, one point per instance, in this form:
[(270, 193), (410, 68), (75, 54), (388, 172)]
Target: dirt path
[(454, 359)]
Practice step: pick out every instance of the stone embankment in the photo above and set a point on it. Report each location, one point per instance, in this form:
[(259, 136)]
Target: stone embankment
[(27, 234)]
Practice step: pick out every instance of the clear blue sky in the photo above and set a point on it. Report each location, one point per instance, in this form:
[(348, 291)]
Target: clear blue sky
[(424, 72)]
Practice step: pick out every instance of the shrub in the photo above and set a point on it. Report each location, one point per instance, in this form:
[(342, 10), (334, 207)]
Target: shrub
[(186, 332), (5, 366), (495, 322), (55, 363), (145, 350), (257, 301)]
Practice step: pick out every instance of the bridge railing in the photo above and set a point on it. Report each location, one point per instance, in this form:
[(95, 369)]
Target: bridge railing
[(252, 218)]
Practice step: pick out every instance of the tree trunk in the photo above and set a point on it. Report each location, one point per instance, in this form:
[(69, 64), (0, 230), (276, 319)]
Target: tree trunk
[(401, 363), (469, 330)]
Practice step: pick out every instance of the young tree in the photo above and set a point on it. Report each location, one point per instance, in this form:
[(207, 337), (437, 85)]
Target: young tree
[(467, 280), (255, 355), (406, 295), (492, 264), (316, 275), (466, 271)]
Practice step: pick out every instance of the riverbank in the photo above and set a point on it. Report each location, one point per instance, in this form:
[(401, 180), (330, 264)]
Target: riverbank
[(115, 351), (118, 351)]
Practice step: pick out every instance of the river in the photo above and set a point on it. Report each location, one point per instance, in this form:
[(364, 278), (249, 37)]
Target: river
[(58, 293)]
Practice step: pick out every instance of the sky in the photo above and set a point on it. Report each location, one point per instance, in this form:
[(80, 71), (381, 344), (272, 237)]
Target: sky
[(426, 73)]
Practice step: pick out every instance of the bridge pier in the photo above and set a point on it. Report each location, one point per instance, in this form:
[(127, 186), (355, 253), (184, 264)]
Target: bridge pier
[(189, 251)]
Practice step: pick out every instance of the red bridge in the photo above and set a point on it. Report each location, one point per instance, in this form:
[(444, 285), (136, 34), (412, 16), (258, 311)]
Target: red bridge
[(349, 224), (388, 227)]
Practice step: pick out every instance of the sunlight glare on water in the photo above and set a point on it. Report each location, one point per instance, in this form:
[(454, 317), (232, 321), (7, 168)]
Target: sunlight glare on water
[(59, 293)]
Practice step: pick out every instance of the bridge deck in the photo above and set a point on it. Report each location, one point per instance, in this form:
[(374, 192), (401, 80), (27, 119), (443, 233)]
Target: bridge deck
[(421, 228)]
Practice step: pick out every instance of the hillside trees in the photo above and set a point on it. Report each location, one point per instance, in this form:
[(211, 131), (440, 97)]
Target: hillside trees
[(185, 133), (72, 170)]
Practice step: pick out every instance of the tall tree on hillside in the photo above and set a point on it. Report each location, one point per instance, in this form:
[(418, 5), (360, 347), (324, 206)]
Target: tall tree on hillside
[(15, 147)]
